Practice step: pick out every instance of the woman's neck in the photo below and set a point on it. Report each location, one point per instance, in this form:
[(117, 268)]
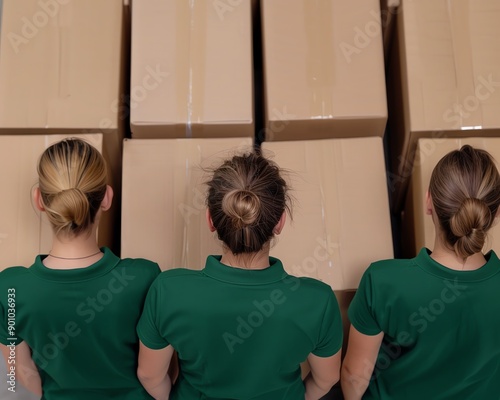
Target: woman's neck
[(73, 252), (446, 256), (258, 260)]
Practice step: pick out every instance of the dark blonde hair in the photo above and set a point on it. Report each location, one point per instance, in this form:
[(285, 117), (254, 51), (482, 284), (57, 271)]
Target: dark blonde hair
[(246, 198), (72, 180), (465, 191)]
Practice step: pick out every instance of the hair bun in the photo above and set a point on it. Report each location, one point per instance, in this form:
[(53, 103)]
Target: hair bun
[(469, 225), (242, 206), (70, 207)]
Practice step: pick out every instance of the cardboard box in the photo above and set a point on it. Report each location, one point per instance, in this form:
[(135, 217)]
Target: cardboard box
[(164, 198), (341, 217), (191, 69), (323, 69), (418, 228), (445, 79), (61, 71), (25, 232)]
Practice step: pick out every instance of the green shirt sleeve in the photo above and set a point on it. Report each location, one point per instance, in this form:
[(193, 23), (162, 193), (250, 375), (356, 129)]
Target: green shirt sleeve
[(147, 328), (362, 313), (331, 334)]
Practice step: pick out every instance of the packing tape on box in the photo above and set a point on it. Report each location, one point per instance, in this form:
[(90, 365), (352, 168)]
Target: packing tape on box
[(320, 57), (191, 60), (459, 13)]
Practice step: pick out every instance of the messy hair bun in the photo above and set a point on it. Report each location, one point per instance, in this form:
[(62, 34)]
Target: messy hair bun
[(465, 191), (242, 207), (246, 198), (72, 181)]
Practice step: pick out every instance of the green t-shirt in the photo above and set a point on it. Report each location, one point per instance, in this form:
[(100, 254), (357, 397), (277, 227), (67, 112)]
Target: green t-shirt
[(80, 324), (240, 334), (441, 329)]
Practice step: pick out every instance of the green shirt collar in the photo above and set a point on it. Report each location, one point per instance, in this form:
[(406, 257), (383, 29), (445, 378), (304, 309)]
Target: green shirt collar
[(215, 269), (101, 267), (489, 269)]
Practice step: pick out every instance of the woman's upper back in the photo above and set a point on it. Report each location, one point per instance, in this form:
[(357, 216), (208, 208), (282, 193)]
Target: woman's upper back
[(441, 328), (241, 332), (81, 323)]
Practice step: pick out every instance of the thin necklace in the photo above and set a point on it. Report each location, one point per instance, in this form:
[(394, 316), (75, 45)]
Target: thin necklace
[(73, 258)]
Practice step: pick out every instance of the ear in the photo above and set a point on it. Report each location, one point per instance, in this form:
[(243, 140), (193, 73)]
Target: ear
[(280, 225), (428, 203), (37, 199), (210, 223), (108, 199)]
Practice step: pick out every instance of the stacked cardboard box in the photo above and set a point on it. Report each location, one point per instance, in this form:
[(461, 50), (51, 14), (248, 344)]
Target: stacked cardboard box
[(61, 72), (191, 70), (323, 69), (341, 218)]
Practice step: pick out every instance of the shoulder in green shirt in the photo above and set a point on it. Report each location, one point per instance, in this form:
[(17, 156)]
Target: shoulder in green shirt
[(240, 334), (441, 328), (80, 324)]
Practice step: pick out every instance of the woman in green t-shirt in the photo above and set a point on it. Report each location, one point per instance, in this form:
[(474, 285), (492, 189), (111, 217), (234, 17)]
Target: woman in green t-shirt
[(67, 323), (429, 327), (241, 326)]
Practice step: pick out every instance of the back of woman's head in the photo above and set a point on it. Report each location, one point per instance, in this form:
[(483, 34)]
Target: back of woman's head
[(465, 191), (72, 181), (246, 199)]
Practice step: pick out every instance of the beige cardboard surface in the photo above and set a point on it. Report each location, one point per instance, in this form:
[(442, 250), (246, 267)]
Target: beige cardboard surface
[(62, 71), (164, 198), (25, 232), (341, 217), (191, 69), (60, 65), (418, 227), (324, 69), (448, 57)]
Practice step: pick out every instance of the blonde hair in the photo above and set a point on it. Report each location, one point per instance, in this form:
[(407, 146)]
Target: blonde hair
[(246, 198), (465, 191), (72, 180)]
